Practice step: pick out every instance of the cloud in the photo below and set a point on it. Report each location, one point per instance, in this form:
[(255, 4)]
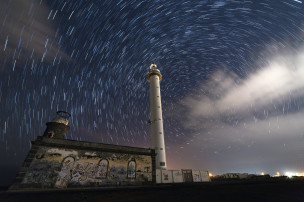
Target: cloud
[(248, 124), (27, 32), (268, 89)]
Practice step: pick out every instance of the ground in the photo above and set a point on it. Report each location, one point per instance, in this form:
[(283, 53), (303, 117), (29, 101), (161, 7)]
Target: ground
[(219, 191)]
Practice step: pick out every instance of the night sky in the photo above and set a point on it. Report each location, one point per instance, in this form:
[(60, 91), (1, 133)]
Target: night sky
[(232, 88)]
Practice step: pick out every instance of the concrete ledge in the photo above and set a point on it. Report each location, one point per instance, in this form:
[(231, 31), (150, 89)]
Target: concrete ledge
[(72, 144)]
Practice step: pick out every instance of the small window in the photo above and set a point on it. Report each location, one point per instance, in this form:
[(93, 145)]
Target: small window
[(65, 173), (132, 169), (102, 169), (162, 163), (50, 134)]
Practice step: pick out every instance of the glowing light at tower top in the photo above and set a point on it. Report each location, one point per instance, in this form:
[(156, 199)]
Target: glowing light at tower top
[(154, 71), (153, 66)]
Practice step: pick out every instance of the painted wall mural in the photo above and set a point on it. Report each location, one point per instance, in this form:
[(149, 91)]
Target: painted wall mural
[(62, 168), (118, 172), (167, 176), (196, 177), (42, 172), (64, 176), (177, 176)]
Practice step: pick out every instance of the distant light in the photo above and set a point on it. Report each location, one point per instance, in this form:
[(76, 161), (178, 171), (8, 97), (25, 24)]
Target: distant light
[(210, 175), (153, 66), (290, 174), (262, 173), (278, 174)]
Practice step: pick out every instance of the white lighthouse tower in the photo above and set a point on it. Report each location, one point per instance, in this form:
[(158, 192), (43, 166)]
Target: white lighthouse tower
[(156, 119)]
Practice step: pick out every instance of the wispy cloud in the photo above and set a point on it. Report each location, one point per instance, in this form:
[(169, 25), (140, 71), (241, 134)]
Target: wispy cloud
[(273, 89), (257, 121)]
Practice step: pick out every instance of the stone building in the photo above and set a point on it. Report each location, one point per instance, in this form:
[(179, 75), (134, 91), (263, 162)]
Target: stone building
[(54, 162)]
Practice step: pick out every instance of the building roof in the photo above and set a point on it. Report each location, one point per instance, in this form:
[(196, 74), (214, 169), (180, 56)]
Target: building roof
[(92, 146)]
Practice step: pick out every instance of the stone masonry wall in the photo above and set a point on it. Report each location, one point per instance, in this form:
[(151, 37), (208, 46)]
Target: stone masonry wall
[(58, 163), (61, 168)]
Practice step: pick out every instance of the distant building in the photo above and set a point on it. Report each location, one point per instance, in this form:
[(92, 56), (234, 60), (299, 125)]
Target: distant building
[(235, 175), (232, 176), (181, 176)]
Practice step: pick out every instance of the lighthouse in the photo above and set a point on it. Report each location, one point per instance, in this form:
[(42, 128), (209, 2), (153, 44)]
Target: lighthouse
[(156, 119), (58, 126)]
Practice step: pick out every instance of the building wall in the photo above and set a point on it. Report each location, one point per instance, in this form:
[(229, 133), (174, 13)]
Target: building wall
[(205, 176), (196, 176), (158, 176), (61, 168), (167, 176), (177, 176), (235, 175), (243, 175)]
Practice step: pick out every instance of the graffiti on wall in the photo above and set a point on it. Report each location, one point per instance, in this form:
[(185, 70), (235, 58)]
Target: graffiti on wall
[(65, 168), (177, 174), (118, 172), (42, 173), (196, 177), (83, 172), (80, 172), (64, 176)]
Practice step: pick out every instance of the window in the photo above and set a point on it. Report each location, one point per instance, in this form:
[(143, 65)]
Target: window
[(132, 169), (68, 162), (50, 134), (102, 169), (65, 174)]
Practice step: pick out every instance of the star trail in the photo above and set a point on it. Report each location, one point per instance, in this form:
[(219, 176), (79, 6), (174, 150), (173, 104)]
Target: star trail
[(232, 88)]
